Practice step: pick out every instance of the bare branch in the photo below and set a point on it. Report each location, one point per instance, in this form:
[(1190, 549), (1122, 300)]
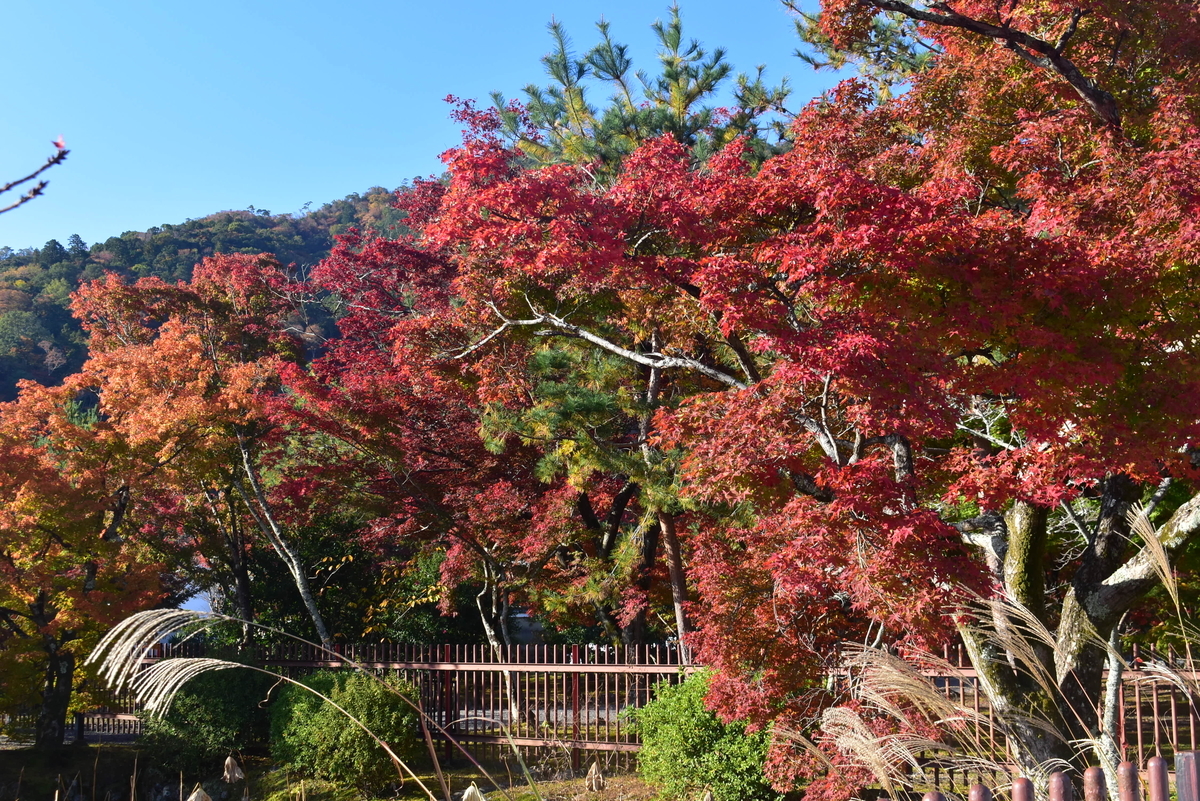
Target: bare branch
[(1037, 52), (507, 325), (989, 532), (808, 485), (901, 453), (824, 438), (1008, 446), (1130, 580), (1157, 497), (40, 186), (1078, 523), (1072, 27), (653, 360), (25, 198), (57, 158)]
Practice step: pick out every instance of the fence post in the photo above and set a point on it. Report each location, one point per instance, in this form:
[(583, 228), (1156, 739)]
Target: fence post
[(979, 793), (1128, 788), (1093, 785), (575, 762), (1060, 787), (933, 795), (446, 708), (1022, 789), (1187, 776), (1159, 789), (79, 728)]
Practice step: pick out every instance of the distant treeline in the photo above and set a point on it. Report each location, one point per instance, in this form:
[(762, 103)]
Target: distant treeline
[(40, 340)]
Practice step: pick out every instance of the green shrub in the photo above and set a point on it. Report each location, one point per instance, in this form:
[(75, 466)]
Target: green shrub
[(213, 714), (312, 737), (685, 748)]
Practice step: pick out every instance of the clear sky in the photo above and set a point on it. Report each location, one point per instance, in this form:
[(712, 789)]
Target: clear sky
[(174, 110)]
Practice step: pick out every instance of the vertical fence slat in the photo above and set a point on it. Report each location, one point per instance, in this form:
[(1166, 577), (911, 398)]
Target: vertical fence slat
[(1128, 786)]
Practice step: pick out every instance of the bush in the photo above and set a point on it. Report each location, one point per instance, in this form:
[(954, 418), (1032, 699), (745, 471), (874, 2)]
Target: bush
[(685, 748), (213, 714), (312, 737)]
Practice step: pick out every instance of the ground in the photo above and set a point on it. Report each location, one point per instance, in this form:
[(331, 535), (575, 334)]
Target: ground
[(102, 773)]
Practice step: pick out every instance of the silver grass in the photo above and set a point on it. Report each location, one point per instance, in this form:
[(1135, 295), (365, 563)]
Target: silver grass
[(157, 685), (1139, 523), (852, 736), (121, 651), (595, 780), (884, 680), (233, 771), (123, 648), (899, 689), (896, 688), (199, 795), (1156, 672), (1018, 634)]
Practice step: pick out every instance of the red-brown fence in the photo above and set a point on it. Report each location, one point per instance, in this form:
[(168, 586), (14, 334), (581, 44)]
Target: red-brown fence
[(568, 698), (576, 697), (1132, 784), (1160, 716)]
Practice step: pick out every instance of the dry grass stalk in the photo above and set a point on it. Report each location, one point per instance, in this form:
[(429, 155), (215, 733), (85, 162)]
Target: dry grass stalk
[(198, 794), (1031, 649), (121, 651), (595, 781), (897, 689), (1139, 524), (233, 772)]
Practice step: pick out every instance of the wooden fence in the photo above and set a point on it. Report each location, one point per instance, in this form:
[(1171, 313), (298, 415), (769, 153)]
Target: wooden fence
[(1160, 717), (566, 698), (1153, 784), (577, 697)]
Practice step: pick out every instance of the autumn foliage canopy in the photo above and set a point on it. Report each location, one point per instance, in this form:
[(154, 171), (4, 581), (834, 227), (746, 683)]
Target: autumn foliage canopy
[(786, 397)]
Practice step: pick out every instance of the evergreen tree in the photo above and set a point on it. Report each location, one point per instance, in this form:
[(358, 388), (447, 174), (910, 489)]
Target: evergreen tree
[(888, 54), (52, 253), (77, 247), (558, 123)]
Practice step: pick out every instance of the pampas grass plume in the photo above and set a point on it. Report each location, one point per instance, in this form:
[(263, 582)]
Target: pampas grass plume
[(199, 795), (233, 773)]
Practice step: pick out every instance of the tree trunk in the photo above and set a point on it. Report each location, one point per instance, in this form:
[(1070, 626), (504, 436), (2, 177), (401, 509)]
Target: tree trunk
[(51, 725), (1070, 689), (1018, 699), (1016, 702), (1087, 622), (671, 549), (493, 618), (242, 598), (260, 509), (635, 632), (235, 542)]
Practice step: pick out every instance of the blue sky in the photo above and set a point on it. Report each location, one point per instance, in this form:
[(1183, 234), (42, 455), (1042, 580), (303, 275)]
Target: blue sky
[(175, 110)]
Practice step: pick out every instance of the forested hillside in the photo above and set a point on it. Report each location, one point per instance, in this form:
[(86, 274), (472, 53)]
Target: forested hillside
[(39, 338)]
